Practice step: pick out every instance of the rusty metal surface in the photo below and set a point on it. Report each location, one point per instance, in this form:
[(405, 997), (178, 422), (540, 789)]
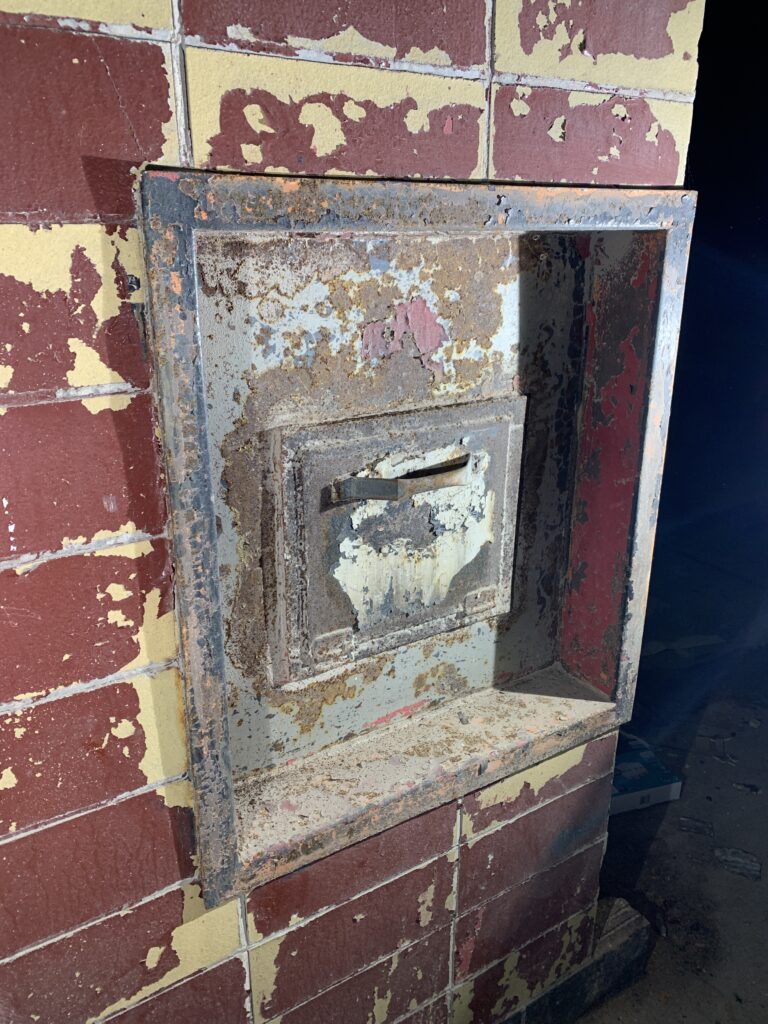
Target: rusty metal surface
[(286, 309)]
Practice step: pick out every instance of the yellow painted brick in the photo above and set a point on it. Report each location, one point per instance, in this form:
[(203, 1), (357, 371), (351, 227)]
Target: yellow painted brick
[(142, 13), (567, 55)]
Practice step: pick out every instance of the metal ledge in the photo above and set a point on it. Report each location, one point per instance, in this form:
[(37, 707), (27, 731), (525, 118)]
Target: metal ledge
[(299, 813)]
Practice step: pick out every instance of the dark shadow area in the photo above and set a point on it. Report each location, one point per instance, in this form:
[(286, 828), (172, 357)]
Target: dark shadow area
[(696, 867)]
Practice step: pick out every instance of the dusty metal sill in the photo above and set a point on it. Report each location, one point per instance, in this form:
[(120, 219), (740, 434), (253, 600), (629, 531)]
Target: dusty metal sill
[(298, 813)]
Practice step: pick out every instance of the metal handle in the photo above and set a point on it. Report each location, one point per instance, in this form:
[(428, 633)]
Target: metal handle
[(371, 488)]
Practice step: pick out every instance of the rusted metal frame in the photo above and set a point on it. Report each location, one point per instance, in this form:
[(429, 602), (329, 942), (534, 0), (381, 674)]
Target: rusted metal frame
[(168, 219), (175, 205), (663, 359)]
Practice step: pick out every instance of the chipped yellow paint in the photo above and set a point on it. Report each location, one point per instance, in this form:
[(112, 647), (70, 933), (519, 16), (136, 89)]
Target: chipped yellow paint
[(177, 794), (43, 259), (264, 969), (252, 153), (136, 549), (124, 528), (156, 636), (152, 958), (6, 373), (143, 13), (349, 40), (254, 115), (434, 56), (426, 899), (111, 403), (353, 111), (89, 369), (203, 938), (30, 695), (123, 729), (461, 1011), (117, 591), (518, 106), (327, 132), (8, 779), (556, 130), (550, 59), (161, 719), (19, 731), (510, 789), (380, 1006), (117, 617), (211, 74)]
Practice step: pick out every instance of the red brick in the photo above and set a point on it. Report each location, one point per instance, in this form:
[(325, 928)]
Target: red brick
[(524, 148), (385, 992), (79, 112), (69, 754), (70, 873), (533, 843), (82, 976), (457, 27), (58, 624), (344, 875), (70, 473), (290, 969), (496, 993), (485, 808), (53, 324), (621, 324), (514, 918), (215, 996)]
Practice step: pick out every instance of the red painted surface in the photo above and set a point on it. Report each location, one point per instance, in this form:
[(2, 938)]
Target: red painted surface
[(39, 326), (60, 877), (413, 321), (533, 843), (641, 31), (78, 977), (344, 875), (621, 323), (57, 616), (435, 1013), (78, 113), (70, 754), (514, 918), (455, 26), (380, 142), (70, 473), (541, 963), (523, 148), (347, 939), (597, 762), (216, 995), (412, 977)]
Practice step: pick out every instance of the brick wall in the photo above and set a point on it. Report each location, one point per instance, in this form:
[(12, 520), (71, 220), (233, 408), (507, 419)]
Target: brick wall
[(100, 913)]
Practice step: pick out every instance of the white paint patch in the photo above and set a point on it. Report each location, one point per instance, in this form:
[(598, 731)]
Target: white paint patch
[(399, 577)]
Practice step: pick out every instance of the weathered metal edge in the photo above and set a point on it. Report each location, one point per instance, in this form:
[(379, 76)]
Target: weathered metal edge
[(678, 242), (203, 201), (167, 224)]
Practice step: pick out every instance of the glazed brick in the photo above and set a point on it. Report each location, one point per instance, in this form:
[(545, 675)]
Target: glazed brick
[(385, 992), (506, 986), (344, 875), (108, 966), (80, 112), (533, 843), (72, 872), (85, 617), (553, 135), (66, 295), (256, 113), (439, 32), (649, 46), (621, 322), (292, 968), (141, 14), (554, 778), (69, 754), (76, 471), (216, 995), (493, 930)]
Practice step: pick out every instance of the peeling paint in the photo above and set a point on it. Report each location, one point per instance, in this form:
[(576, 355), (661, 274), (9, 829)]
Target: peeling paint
[(8, 779)]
